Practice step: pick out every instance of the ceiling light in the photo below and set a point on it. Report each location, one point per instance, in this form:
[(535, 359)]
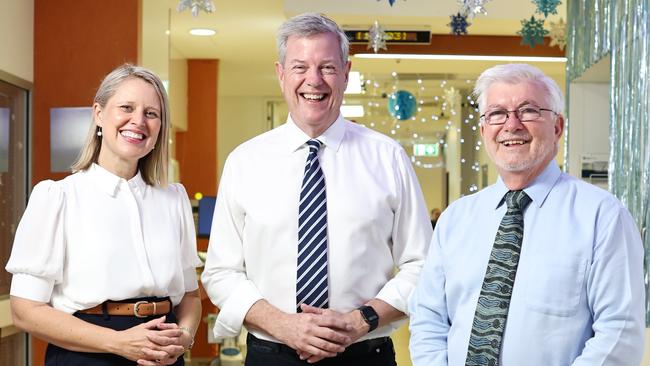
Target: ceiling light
[(459, 57), (205, 32)]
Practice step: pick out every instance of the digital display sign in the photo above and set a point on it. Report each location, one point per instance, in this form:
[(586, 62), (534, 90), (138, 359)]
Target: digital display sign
[(392, 36)]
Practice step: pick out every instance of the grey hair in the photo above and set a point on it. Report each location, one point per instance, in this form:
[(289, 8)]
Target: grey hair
[(308, 25), (153, 166), (515, 74)]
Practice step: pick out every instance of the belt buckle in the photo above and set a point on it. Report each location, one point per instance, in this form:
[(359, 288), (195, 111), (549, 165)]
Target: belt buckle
[(135, 309)]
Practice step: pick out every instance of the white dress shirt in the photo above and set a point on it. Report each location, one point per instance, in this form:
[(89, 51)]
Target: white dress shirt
[(377, 221), (94, 236), (578, 297)]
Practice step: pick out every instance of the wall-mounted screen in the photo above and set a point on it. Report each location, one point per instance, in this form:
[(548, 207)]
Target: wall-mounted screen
[(68, 130), (206, 210)]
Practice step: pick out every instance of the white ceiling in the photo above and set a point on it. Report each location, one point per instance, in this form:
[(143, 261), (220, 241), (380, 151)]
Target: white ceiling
[(245, 39)]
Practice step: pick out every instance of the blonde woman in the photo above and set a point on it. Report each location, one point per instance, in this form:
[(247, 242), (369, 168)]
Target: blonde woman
[(104, 260)]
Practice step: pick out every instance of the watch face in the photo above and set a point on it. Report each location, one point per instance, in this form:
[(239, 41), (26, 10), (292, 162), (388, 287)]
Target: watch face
[(370, 316)]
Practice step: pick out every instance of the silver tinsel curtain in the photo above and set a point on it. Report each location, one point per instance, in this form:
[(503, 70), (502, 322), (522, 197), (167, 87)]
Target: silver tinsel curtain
[(619, 28)]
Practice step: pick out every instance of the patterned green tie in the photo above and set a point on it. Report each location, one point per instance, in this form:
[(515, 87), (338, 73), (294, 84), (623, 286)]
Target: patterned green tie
[(494, 300)]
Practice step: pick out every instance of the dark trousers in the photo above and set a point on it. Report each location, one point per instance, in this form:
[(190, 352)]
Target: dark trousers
[(57, 356), (372, 352)]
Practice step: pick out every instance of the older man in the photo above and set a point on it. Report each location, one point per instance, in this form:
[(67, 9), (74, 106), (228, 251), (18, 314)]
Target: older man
[(312, 219), (551, 272)]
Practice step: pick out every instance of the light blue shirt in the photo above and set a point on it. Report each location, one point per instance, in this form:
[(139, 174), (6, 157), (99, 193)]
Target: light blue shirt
[(578, 297)]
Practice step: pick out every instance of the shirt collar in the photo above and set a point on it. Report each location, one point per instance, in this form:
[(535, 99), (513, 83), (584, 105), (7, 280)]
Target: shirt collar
[(109, 182), (537, 190), (331, 138)]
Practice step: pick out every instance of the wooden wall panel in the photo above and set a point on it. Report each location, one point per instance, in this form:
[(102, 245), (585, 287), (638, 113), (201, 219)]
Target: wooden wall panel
[(76, 43), (196, 148)]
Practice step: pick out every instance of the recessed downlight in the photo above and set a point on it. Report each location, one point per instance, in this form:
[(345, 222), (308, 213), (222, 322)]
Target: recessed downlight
[(203, 32)]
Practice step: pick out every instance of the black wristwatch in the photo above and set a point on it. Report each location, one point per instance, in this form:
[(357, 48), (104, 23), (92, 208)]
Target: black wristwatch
[(369, 316)]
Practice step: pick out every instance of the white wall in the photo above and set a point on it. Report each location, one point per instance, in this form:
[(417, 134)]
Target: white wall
[(589, 124), (239, 119), (154, 41), (646, 355), (178, 93), (17, 38), (453, 154)]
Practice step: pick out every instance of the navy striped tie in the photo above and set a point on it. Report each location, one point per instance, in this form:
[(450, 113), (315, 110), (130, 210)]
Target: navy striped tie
[(494, 300), (311, 286)]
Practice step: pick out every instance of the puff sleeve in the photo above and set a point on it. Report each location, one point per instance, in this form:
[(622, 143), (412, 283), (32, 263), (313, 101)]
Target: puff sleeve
[(38, 252)]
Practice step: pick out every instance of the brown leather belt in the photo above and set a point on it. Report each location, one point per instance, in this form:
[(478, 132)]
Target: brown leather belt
[(140, 309)]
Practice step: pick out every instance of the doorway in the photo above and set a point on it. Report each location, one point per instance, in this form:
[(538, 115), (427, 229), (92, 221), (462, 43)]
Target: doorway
[(14, 184)]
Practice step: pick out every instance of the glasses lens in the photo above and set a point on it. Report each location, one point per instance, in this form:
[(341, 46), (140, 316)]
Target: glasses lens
[(496, 116), (528, 114)]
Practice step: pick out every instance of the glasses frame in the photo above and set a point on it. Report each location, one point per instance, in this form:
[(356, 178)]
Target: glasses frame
[(516, 112)]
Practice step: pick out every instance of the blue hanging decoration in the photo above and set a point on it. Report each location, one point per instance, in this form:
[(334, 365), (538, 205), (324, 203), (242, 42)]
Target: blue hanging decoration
[(391, 2), (402, 105), (458, 24), (532, 32), (547, 7)]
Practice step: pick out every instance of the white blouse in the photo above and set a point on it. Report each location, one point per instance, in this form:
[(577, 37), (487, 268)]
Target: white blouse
[(94, 236)]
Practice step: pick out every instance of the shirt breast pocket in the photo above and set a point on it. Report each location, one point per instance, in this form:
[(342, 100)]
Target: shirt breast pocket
[(556, 289)]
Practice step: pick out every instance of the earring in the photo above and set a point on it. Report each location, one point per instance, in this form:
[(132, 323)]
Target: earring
[(99, 131)]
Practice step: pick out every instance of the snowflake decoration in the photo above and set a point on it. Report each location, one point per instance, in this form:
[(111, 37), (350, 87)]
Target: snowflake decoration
[(376, 37), (196, 6), (458, 24), (532, 32), (547, 7), (558, 34), (472, 7)]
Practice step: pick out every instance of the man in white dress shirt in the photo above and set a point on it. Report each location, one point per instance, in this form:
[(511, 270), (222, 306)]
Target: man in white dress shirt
[(372, 217)]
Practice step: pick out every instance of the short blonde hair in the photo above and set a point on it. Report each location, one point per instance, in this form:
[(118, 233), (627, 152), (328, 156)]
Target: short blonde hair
[(153, 166)]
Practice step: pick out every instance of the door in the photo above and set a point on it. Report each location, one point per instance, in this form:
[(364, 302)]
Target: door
[(13, 193)]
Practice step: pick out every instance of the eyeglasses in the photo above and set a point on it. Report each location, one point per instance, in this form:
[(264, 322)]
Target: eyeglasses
[(524, 114)]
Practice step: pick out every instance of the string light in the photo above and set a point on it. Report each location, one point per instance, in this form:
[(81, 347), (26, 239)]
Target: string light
[(443, 110)]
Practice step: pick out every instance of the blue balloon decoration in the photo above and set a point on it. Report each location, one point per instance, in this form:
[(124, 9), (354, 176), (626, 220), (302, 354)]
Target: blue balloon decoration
[(402, 105)]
